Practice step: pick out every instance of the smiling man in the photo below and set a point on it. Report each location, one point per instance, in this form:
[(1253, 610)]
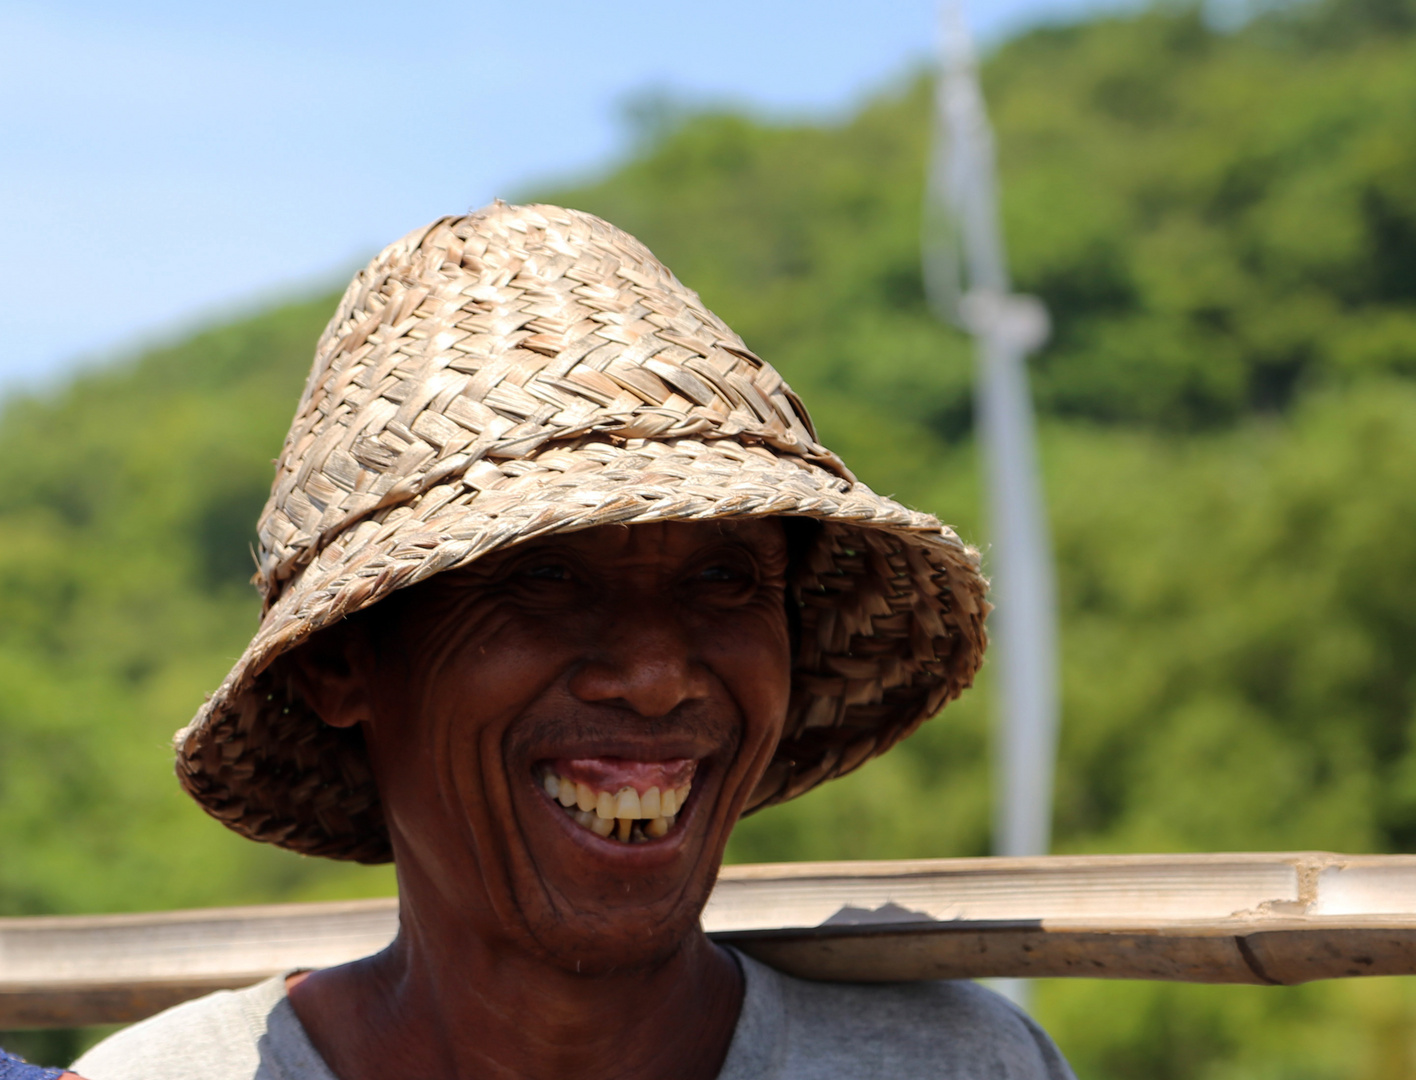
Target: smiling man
[(558, 584)]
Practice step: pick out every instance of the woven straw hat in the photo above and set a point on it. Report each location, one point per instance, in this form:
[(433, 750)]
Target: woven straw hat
[(527, 370)]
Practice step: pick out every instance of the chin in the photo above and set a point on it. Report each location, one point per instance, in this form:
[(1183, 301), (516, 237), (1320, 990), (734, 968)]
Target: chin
[(632, 939), (621, 890)]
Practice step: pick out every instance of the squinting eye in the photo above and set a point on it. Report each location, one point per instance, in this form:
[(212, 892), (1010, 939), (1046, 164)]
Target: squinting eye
[(717, 575), (547, 572)]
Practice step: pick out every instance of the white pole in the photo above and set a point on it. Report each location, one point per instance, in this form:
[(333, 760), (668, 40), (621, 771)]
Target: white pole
[(962, 227), (1024, 625)]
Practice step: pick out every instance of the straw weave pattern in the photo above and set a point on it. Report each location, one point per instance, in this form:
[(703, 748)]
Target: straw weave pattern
[(528, 370)]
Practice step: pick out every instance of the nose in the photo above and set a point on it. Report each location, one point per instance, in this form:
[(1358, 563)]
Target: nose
[(642, 660)]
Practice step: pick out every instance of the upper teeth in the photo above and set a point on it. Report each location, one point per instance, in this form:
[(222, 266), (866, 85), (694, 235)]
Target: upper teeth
[(626, 813)]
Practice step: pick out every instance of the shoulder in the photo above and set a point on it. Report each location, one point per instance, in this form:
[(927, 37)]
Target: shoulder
[(958, 1030), (954, 1029), (214, 1037), (14, 1068)]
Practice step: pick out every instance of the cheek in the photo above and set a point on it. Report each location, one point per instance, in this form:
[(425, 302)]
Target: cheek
[(470, 673), (482, 696), (753, 657), (487, 659)]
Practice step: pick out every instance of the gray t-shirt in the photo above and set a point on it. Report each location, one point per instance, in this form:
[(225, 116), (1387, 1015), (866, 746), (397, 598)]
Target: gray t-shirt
[(790, 1029)]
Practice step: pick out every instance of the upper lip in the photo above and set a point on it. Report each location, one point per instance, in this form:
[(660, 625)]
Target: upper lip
[(629, 748)]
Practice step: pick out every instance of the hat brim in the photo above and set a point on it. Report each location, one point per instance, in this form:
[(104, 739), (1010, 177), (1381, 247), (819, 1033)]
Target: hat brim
[(891, 602)]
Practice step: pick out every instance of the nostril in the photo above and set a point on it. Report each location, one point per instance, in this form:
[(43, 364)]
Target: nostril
[(652, 685)]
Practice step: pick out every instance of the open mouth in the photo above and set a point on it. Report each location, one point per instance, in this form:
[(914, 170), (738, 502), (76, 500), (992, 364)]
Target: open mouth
[(632, 802)]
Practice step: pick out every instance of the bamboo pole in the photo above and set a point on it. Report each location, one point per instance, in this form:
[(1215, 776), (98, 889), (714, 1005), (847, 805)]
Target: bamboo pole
[(1274, 918)]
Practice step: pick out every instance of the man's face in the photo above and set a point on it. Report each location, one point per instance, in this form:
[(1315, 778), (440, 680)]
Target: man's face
[(565, 733)]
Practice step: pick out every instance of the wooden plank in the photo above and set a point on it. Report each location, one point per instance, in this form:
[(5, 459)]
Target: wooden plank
[(61, 971), (1261, 918), (1237, 918)]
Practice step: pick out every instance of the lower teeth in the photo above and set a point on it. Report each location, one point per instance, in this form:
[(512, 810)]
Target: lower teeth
[(625, 830)]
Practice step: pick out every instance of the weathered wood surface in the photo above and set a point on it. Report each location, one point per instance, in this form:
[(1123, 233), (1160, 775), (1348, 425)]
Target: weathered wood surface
[(1263, 918)]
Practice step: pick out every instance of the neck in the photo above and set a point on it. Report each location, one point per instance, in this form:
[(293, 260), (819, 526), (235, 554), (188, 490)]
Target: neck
[(443, 1000)]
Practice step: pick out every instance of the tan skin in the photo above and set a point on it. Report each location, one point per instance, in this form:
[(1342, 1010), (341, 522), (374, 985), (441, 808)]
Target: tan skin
[(528, 946)]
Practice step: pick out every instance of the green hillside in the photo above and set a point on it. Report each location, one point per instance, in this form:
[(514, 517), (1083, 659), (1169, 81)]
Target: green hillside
[(1224, 227)]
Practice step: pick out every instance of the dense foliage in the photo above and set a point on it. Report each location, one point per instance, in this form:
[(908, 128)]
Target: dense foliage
[(1224, 227)]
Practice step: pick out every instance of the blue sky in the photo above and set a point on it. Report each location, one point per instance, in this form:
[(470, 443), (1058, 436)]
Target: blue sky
[(164, 162)]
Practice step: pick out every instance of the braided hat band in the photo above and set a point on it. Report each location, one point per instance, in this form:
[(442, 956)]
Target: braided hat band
[(528, 370)]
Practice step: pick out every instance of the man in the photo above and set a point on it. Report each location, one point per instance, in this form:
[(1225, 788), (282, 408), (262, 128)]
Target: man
[(559, 583)]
